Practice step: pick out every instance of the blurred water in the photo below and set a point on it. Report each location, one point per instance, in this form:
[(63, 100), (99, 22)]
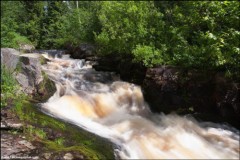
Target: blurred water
[(103, 104)]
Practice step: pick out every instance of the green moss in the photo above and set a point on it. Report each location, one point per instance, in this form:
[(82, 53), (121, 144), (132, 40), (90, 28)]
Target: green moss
[(43, 60), (88, 152), (72, 138), (35, 122), (45, 89), (18, 68)]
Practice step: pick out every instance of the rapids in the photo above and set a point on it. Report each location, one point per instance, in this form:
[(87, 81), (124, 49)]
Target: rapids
[(103, 104)]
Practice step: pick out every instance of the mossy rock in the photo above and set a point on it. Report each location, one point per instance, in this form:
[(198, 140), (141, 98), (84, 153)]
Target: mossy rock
[(45, 89), (67, 138)]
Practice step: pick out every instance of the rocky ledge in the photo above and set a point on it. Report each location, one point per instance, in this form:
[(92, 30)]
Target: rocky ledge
[(27, 133), (26, 68)]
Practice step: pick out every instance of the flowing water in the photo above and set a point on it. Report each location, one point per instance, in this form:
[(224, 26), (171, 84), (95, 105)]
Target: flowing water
[(103, 104)]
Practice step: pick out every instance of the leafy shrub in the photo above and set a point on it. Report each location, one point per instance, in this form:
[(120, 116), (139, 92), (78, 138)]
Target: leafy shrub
[(148, 55)]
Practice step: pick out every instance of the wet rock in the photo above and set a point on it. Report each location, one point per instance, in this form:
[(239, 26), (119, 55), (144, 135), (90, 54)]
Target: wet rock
[(128, 71), (168, 88), (109, 63), (82, 51)]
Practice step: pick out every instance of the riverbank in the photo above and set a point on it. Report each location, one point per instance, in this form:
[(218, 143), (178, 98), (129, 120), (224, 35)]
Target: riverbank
[(27, 133), (207, 94)]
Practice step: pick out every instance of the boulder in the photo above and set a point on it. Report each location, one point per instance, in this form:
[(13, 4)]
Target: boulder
[(28, 72), (10, 58), (82, 51)]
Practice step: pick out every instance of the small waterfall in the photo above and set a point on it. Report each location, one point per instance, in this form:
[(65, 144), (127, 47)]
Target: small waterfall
[(100, 103)]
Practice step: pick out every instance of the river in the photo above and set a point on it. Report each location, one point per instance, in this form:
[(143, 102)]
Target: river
[(101, 103)]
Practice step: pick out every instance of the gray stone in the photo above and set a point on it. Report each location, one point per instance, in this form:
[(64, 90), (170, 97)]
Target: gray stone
[(68, 156), (47, 155), (27, 144), (27, 71), (29, 75), (15, 125), (9, 58)]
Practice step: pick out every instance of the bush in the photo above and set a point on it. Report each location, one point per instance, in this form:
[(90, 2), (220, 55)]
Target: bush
[(13, 39)]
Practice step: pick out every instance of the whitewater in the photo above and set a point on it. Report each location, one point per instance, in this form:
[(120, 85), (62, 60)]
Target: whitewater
[(101, 103)]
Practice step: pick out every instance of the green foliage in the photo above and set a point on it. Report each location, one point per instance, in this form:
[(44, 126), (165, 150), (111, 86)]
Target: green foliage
[(125, 25), (79, 24), (11, 12), (189, 34), (13, 39), (183, 33), (59, 141), (10, 94), (148, 55)]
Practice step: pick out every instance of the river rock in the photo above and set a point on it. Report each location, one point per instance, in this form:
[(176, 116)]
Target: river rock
[(47, 155), (68, 156)]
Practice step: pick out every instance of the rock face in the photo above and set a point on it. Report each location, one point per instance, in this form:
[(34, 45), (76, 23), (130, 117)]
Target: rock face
[(28, 73), (82, 51), (10, 58), (173, 89), (169, 89), (128, 71)]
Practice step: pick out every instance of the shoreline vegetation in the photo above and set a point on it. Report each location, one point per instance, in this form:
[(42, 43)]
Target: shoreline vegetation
[(201, 35)]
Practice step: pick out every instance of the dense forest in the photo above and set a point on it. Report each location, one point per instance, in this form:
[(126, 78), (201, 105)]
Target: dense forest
[(200, 34)]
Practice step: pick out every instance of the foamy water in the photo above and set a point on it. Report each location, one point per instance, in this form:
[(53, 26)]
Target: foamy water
[(102, 104)]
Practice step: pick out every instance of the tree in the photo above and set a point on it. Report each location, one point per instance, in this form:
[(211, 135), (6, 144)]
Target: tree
[(11, 12)]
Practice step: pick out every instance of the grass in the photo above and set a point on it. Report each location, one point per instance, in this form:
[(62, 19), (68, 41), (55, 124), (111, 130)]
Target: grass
[(10, 93)]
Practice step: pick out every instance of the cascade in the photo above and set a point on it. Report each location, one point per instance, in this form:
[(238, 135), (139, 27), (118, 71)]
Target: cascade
[(103, 104)]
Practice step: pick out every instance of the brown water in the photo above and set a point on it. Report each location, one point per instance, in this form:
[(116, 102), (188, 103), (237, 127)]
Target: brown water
[(103, 104)]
